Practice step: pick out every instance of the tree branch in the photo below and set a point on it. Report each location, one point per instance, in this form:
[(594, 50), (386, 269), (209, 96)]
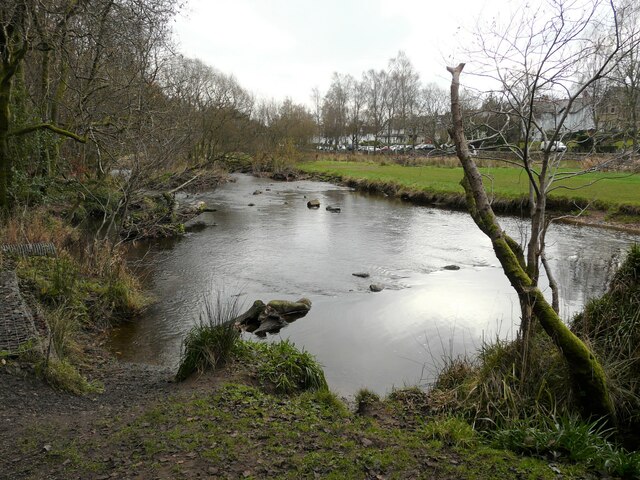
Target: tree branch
[(48, 126)]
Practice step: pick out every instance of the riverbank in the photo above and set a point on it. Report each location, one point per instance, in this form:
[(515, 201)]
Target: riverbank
[(139, 423), (605, 200), (223, 425)]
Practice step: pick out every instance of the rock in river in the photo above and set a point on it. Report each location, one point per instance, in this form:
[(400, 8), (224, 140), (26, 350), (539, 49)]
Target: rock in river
[(315, 203), (262, 319), (376, 287), (333, 209), (361, 274), (451, 267)]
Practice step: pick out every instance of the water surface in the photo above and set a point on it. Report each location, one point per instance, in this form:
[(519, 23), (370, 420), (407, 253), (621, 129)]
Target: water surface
[(280, 249)]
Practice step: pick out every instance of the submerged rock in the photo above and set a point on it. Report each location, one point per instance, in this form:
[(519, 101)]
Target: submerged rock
[(376, 287), (451, 267), (361, 274), (333, 209), (257, 192), (315, 203)]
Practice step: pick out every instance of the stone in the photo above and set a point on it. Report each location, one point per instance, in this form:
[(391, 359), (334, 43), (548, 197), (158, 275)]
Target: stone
[(361, 274), (315, 203), (376, 287), (333, 209), (251, 205), (451, 267), (257, 192), (251, 316), (285, 307)]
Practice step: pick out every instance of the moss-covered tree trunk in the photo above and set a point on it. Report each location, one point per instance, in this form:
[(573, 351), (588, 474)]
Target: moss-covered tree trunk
[(5, 160), (587, 374)]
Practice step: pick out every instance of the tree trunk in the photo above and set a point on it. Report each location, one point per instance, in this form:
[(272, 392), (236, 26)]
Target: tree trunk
[(5, 159), (587, 374)]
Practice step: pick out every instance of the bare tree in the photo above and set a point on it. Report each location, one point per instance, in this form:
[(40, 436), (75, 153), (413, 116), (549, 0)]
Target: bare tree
[(535, 60), (406, 88), (334, 109), (373, 82), (433, 104), (588, 375), (626, 74)]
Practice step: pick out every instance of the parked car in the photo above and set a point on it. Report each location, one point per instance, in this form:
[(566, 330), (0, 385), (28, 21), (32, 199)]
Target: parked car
[(555, 146)]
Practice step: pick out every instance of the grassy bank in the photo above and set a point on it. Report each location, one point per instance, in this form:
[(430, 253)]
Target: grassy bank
[(235, 424), (438, 184)]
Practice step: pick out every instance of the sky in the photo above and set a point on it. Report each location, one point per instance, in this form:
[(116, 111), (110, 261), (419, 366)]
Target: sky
[(285, 48)]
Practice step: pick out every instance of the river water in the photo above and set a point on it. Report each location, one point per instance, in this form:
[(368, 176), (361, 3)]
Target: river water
[(280, 249)]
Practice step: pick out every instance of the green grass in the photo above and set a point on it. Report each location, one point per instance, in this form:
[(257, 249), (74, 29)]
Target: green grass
[(282, 366), (611, 188), (241, 432), (210, 343)]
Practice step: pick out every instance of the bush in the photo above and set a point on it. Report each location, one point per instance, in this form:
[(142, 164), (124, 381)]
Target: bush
[(494, 390), (286, 368)]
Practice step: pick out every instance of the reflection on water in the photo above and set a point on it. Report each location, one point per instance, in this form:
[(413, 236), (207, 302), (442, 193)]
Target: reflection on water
[(279, 249)]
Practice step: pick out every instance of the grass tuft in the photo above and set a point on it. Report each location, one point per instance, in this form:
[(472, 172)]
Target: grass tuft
[(290, 370), (210, 344), (568, 438)]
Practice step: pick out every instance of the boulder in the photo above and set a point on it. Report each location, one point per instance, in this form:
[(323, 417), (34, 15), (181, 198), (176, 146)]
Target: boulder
[(361, 274), (333, 209), (451, 267), (251, 205), (286, 308), (257, 192), (315, 203), (376, 287)]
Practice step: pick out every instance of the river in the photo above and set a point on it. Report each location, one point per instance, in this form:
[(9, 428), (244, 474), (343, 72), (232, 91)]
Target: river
[(280, 249)]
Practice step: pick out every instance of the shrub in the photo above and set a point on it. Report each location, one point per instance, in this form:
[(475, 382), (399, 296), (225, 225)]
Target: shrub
[(290, 370), (494, 389), (210, 344)]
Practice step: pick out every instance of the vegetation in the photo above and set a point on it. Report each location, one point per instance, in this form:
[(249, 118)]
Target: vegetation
[(209, 344), (85, 288), (534, 410), (612, 326), (216, 340), (599, 189), (239, 430)]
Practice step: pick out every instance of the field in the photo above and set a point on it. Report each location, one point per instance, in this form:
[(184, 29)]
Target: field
[(607, 189)]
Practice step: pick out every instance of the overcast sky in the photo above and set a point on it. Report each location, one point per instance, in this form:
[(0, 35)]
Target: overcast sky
[(280, 48)]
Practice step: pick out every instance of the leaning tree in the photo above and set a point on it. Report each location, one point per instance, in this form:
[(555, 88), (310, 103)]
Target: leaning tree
[(535, 60)]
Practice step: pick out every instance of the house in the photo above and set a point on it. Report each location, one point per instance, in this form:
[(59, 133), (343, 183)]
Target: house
[(549, 112)]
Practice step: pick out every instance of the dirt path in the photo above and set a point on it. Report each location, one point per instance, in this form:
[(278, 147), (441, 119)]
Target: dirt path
[(27, 405)]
